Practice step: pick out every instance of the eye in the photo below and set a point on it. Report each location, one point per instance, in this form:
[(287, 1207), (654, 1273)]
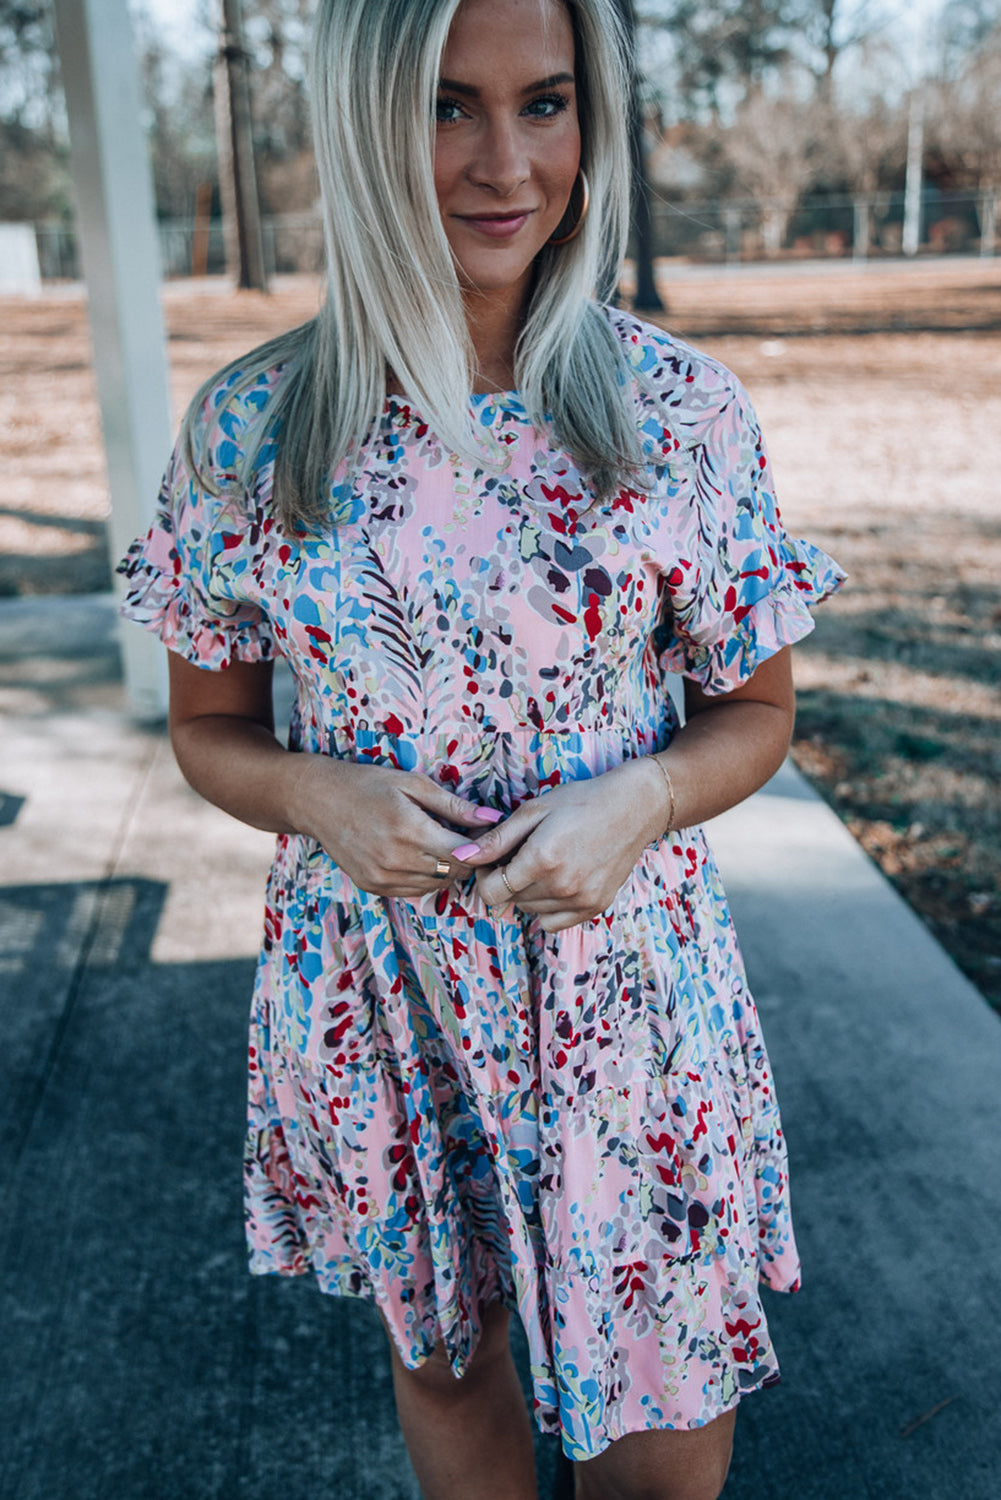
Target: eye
[(447, 110), (547, 106)]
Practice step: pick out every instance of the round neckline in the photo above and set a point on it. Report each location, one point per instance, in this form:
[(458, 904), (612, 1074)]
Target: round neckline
[(509, 401)]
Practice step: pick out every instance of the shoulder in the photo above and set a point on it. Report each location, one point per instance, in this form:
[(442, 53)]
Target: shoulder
[(689, 392)]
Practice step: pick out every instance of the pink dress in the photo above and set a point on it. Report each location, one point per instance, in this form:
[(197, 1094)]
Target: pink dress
[(448, 1108)]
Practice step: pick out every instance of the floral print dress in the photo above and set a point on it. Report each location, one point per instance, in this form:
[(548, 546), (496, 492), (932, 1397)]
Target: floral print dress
[(449, 1107)]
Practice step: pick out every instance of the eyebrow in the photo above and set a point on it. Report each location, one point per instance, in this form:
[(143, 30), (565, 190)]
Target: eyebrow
[(454, 87)]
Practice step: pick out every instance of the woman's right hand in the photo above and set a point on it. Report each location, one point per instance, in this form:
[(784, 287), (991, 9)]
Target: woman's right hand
[(384, 828)]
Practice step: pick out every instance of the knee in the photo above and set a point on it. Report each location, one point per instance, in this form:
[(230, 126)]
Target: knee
[(436, 1375), (705, 1486), (661, 1466)]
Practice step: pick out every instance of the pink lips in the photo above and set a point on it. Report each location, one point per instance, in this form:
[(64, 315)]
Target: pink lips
[(498, 227)]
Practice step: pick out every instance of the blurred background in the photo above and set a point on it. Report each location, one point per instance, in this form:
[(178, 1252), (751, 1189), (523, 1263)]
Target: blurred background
[(820, 211), (771, 129)]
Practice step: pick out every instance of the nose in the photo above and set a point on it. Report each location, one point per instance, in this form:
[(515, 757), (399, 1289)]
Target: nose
[(501, 163)]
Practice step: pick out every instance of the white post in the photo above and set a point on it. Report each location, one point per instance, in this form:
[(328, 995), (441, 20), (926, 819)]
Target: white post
[(860, 235), (913, 180), (988, 220), (116, 226), (731, 228)]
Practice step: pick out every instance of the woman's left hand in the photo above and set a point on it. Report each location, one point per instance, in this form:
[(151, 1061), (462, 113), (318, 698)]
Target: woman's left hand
[(566, 853)]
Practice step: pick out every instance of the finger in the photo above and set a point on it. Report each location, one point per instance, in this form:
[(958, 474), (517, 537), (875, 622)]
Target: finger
[(556, 917), (438, 864), (530, 871), (498, 887), (441, 866), (420, 851), (540, 908), (436, 799), (497, 844), (421, 843), (560, 921), (401, 889)]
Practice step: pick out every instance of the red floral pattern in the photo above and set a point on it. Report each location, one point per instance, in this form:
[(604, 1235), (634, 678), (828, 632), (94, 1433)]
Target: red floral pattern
[(448, 1108)]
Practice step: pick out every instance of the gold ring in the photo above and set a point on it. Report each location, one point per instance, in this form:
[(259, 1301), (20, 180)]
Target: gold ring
[(503, 876), (442, 867)]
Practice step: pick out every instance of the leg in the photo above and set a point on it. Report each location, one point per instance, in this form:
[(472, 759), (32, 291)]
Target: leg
[(661, 1465), (468, 1439)]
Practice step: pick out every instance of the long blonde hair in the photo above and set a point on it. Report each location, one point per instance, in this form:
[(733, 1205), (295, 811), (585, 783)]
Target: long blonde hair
[(393, 297)]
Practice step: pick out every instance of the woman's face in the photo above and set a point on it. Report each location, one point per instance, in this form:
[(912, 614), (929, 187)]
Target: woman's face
[(508, 139)]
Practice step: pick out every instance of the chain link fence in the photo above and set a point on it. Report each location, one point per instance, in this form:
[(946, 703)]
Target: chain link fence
[(860, 227), (292, 242), (734, 231)]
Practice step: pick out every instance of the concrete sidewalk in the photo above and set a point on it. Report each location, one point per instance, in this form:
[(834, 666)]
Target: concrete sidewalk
[(143, 1363)]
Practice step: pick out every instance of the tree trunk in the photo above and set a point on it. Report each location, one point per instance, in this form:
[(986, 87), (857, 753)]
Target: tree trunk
[(647, 297), (237, 181)]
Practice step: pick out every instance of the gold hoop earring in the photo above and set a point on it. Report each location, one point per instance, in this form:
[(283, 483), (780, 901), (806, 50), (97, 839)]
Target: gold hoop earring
[(585, 205)]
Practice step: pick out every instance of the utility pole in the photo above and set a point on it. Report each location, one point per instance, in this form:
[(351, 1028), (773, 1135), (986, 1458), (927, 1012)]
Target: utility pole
[(237, 180), (647, 297)]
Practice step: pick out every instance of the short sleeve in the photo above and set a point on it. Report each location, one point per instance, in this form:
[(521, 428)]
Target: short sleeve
[(741, 588), (195, 577)]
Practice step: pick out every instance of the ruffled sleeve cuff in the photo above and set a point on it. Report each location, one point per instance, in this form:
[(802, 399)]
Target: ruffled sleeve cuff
[(187, 578), (739, 587), (721, 634), (162, 603)]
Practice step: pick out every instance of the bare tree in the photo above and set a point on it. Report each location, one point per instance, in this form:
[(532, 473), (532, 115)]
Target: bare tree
[(965, 129), (965, 26), (277, 37), (832, 29), (723, 51), (34, 178), (772, 149), (181, 125), (647, 297), (237, 176)]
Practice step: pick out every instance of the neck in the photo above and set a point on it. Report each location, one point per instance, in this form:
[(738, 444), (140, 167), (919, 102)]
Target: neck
[(495, 321)]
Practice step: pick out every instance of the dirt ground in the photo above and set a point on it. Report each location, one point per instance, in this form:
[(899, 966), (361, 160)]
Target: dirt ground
[(879, 389)]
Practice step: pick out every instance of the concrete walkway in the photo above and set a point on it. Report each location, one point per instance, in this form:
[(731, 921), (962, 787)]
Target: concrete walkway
[(140, 1360)]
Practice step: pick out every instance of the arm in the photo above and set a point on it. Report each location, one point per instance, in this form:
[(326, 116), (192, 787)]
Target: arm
[(384, 828), (732, 743), (567, 852)]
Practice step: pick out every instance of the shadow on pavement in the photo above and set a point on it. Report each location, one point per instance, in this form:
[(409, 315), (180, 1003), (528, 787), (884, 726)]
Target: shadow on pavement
[(149, 1364)]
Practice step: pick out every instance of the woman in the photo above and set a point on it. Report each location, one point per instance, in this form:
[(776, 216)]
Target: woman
[(502, 1054)]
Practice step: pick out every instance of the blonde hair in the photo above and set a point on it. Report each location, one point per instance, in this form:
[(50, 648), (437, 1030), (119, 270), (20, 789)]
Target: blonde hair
[(393, 296)]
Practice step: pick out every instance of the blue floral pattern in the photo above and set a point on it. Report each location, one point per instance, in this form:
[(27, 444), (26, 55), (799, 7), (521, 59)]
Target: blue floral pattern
[(448, 1107)]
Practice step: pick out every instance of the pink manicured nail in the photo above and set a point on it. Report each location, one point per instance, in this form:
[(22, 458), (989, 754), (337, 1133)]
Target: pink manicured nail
[(465, 851), (488, 814)]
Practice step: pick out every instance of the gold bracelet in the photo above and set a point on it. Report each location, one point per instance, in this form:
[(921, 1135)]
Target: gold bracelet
[(670, 791)]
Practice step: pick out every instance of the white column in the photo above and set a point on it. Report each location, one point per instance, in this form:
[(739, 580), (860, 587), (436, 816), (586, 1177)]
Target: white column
[(915, 172), (988, 220), (117, 234), (860, 234)]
